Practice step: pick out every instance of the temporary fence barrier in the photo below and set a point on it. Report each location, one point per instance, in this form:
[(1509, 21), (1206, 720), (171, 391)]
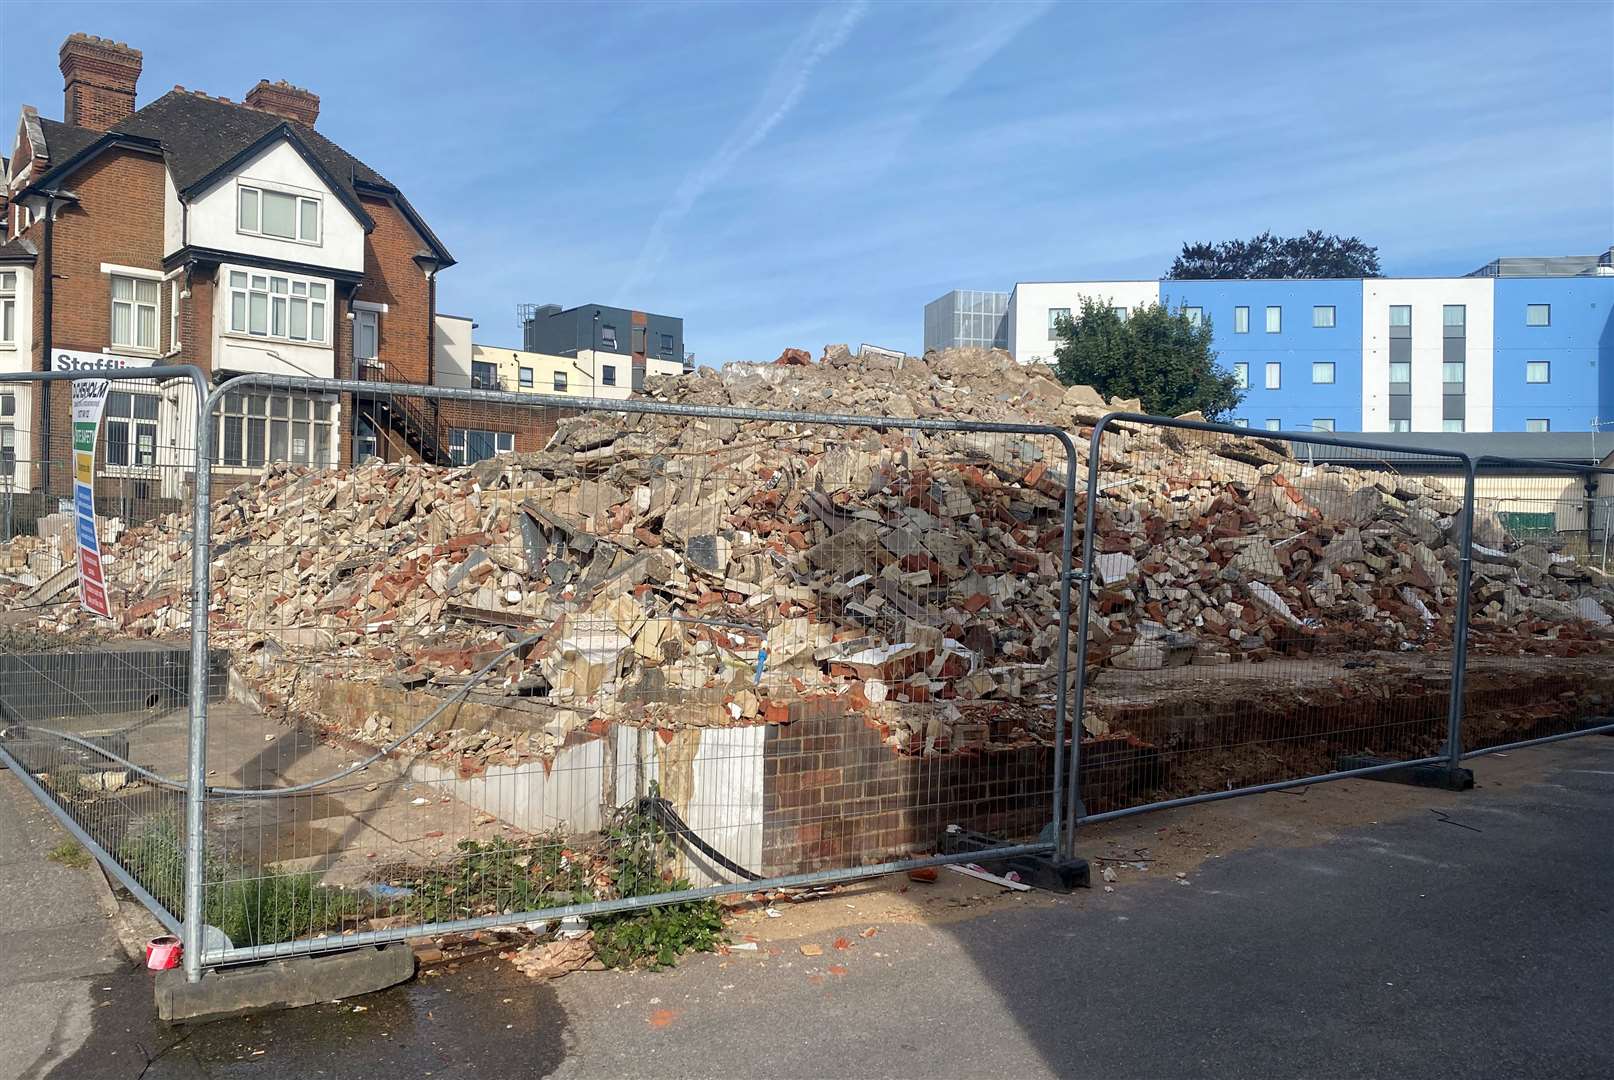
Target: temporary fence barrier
[(557, 656), (1261, 610), (1538, 623), (96, 519)]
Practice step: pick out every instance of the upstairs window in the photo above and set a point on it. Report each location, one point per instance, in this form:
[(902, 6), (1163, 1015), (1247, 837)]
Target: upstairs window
[(1322, 371), (276, 305), (1400, 314), (134, 311), (261, 212), (1538, 425), (1241, 320), (608, 337), (560, 382), (524, 378), (8, 307), (1274, 375), (608, 374), (1196, 315), (1538, 371), (1241, 375), (1323, 423), (1322, 316), (666, 343), (1274, 424), (1538, 314), (638, 339), (484, 376), (1055, 314), (1454, 315), (1275, 319)]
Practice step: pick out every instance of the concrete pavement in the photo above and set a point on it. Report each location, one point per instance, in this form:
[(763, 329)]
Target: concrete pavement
[(1407, 931)]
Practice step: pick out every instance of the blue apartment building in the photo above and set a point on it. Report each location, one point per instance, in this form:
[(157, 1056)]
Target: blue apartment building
[(1517, 345)]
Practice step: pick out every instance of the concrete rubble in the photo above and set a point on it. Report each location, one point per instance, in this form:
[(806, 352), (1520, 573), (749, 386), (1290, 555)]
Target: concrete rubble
[(684, 572)]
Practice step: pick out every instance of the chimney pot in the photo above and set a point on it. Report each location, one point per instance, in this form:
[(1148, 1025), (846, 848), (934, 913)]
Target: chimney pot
[(283, 99), (98, 81)]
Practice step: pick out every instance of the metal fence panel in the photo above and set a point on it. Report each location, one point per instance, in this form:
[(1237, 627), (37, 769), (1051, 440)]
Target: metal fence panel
[(95, 712), (504, 657), (1540, 642), (1263, 609)]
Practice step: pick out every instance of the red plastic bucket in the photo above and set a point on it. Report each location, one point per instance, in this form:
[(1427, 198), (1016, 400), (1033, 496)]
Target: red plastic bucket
[(162, 953)]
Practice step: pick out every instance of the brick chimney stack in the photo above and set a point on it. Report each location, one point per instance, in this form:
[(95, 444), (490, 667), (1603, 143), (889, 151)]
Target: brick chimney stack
[(284, 99), (99, 77)]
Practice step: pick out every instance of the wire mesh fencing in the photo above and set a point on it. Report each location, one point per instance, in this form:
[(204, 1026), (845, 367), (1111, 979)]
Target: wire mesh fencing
[(1539, 656), (96, 504), (1262, 609), (503, 658)]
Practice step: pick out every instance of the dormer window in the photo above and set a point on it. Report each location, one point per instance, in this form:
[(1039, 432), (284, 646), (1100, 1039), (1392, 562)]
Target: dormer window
[(283, 215)]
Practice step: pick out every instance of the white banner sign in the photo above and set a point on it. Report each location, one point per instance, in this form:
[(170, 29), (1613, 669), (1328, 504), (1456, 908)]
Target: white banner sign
[(68, 360)]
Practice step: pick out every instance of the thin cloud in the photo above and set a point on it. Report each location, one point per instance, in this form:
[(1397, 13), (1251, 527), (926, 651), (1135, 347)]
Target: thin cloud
[(829, 31)]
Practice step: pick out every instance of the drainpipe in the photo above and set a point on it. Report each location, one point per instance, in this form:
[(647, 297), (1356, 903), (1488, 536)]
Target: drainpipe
[(431, 326), (47, 341)]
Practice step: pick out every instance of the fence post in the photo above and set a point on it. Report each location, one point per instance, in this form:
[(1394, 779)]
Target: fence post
[(1085, 577), (1459, 638), (196, 756), (1061, 840)]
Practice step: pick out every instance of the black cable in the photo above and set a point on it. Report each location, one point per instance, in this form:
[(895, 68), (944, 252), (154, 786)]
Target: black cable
[(676, 825)]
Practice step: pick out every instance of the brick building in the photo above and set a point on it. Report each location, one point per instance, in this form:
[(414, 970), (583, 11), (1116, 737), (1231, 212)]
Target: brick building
[(230, 235)]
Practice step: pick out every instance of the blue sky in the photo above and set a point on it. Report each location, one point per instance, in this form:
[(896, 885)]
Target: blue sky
[(796, 174)]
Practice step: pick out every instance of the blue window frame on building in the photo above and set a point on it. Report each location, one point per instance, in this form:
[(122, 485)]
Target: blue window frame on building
[(1274, 424), (1274, 375), (1538, 425)]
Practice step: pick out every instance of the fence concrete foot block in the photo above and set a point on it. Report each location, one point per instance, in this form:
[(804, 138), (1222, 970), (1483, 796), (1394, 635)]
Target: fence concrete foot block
[(282, 984), (1432, 776), (1052, 872)]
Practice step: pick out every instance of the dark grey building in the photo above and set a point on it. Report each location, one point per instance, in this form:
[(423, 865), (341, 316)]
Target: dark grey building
[(653, 341)]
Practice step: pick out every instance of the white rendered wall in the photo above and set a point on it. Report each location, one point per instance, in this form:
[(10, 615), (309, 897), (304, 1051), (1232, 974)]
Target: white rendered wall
[(212, 221), (1028, 309), (1427, 297)]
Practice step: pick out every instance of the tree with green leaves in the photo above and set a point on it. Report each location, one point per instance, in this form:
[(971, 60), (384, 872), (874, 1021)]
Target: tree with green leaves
[(1159, 356), (1267, 256)]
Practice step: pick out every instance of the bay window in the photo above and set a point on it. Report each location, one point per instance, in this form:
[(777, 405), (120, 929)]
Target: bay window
[(134, 311), (8, 307), (255, 427), (278, 306)]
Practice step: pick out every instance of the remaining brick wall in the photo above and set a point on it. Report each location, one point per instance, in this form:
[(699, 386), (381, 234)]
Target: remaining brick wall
[(392, 277), (835, 795)]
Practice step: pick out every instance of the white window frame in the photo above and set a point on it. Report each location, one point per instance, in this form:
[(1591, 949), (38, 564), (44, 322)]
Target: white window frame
[(1319, 367), (1274, 318), (1241, 319), (366, 324), (1546, 424), (300, 200), (1195, 315), (1054, 315), (136, 461), (1274, 375), (1531, 309), (1532, 366), (607, 374), (1241, 374), (135, 306), (1322, 423), (1317, 315), (504, 442), (281, 294), (275, 416), (559, 382), (8, 308)]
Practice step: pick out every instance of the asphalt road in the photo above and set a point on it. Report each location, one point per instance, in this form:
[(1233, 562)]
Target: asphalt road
[(1471, 935)]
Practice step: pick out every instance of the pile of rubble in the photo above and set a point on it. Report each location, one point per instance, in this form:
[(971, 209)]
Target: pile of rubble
[(681, 571)]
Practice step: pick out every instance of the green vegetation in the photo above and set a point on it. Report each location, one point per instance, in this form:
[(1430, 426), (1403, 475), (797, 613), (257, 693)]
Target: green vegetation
[(1159, 356), (69, 853)]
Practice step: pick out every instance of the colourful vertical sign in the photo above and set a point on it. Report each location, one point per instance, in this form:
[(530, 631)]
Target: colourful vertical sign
[(89, 400)]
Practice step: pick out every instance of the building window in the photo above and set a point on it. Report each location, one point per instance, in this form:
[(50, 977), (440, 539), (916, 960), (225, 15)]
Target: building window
[(560, 382), (666, 343), (8, 436), (1452, 373), (1274, 375), (1274, 319), (1241, 320), (608, 374), (638, 339), (1241, 376), (1322, 316), (1454, 315), (1323, 423), (467, 446), (365, 442), (1274, 424), (262, 212), (1196, 315), (1451, 425), (134, 311), (1538, 371), (1119, 313), (131, 428), (1322, 371), (1538, 425), (608, 336), (1400, 425), (524, 378), (255, 427), (275, 305), (484, 376), (173, 316), (1241, 421), (1538, 314), (8, 307), (1055, 314), (1400, 371), (1400, 314)]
